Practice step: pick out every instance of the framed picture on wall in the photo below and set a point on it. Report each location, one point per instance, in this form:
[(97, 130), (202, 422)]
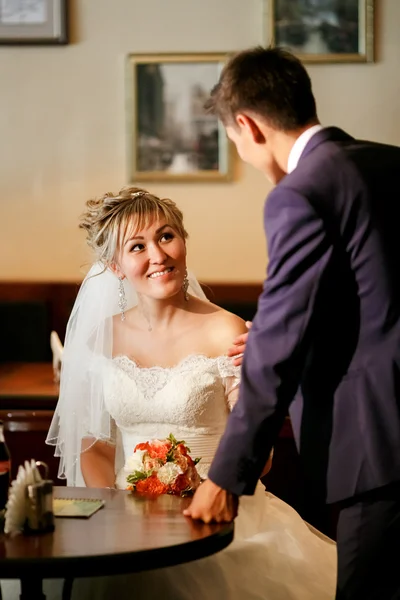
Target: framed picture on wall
[(33, 22), (170, 135), (323, 30)]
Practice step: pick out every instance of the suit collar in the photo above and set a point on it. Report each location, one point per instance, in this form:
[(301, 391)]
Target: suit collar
[(328, 134), (300, 144)]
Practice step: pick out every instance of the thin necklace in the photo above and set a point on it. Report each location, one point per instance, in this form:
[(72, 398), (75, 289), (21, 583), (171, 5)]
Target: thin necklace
[(147, 318), (149, 327), (144, 313)]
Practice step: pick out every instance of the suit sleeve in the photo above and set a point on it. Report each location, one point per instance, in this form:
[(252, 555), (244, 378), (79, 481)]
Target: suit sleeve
[(299, 251)]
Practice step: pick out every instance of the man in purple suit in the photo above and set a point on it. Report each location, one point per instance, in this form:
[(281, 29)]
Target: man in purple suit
[(325, 342)]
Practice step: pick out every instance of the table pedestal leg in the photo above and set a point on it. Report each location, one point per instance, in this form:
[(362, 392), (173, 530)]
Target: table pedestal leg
[(31, 589)]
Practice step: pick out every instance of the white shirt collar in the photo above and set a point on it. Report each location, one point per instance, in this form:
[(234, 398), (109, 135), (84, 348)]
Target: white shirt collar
[(299, 146)]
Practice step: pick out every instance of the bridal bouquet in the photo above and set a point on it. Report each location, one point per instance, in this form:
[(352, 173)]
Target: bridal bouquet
[(162, 467)]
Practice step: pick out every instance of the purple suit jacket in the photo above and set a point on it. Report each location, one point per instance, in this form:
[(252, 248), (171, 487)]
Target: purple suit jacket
[(325, 341)]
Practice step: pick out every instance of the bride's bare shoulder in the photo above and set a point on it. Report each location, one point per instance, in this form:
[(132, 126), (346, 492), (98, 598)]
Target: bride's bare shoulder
[(230, 325), (221, 325)]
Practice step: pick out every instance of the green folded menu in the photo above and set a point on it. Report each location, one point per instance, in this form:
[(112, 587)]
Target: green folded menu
[(76, 507)]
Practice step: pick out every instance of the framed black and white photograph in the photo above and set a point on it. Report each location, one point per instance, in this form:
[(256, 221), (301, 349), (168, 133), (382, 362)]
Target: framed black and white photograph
[(170, 135), (323, 30), (33, 22)]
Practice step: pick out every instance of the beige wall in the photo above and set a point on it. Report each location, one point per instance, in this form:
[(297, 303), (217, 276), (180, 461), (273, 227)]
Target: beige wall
[(63, 131)]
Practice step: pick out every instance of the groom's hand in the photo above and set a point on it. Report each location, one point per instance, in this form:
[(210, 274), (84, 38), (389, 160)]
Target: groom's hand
[(239, 344), (212, 504)]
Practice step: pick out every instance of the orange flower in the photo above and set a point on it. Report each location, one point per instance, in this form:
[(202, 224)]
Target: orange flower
[(159, 449), (151, 486), (142, 446), (153, 456)]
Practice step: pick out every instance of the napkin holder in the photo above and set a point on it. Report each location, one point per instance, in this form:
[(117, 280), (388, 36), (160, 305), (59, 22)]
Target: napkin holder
[(39, 499), (30, 501)]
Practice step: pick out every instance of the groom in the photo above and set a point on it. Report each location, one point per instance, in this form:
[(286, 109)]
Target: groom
[(325, 342)]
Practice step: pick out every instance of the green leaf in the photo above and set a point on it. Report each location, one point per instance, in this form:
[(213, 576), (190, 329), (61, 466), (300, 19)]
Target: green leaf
[(170, 455), (174, 441), (174, 444), (197, 460), (136, 476)]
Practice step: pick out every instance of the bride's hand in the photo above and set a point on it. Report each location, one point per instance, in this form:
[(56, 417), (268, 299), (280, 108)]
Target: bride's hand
[(239, 344), (212, 504)]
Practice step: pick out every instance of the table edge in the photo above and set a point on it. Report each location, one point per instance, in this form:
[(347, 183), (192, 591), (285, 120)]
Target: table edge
[(118, 563)]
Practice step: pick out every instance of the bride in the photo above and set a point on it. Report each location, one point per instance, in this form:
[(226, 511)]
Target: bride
[(145, 355)]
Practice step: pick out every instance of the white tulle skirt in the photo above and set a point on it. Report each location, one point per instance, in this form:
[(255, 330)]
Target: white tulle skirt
[(275, 556)]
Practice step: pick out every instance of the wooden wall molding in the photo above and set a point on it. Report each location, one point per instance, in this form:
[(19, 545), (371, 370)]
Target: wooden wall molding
[(59, 297), (219, 293)]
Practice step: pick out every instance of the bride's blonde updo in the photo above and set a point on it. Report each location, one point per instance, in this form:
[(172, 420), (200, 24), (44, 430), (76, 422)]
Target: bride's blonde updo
[(108, 218)]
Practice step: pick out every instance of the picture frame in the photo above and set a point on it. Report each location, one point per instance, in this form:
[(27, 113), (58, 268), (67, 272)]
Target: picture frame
[(323, 31), (169, 135), (33, 22)]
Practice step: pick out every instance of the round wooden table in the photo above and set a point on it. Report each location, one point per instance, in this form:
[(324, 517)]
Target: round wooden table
[(129, 534)]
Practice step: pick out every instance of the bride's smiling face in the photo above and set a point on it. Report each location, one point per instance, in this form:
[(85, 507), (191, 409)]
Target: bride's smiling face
[(153, 259)]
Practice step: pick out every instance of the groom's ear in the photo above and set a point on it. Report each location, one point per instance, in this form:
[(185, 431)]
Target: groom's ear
[(251, 127)]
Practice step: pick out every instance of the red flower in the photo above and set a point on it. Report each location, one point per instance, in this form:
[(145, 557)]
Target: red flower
[(180, 484), (190, 461), (181, 460), (182, 449), (194, 477)]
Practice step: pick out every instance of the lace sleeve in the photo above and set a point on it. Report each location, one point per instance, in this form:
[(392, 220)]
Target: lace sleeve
[(230, 376)]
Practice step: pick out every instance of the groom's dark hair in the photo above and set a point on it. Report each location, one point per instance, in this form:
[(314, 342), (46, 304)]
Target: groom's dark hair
[(269, 82)]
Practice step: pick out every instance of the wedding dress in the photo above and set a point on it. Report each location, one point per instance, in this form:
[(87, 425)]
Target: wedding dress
[(275, 555)]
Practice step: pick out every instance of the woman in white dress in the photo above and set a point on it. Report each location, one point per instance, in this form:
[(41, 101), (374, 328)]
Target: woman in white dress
[(145, 356)]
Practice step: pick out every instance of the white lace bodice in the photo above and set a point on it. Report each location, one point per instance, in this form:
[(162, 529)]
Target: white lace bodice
[(190, 400)]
